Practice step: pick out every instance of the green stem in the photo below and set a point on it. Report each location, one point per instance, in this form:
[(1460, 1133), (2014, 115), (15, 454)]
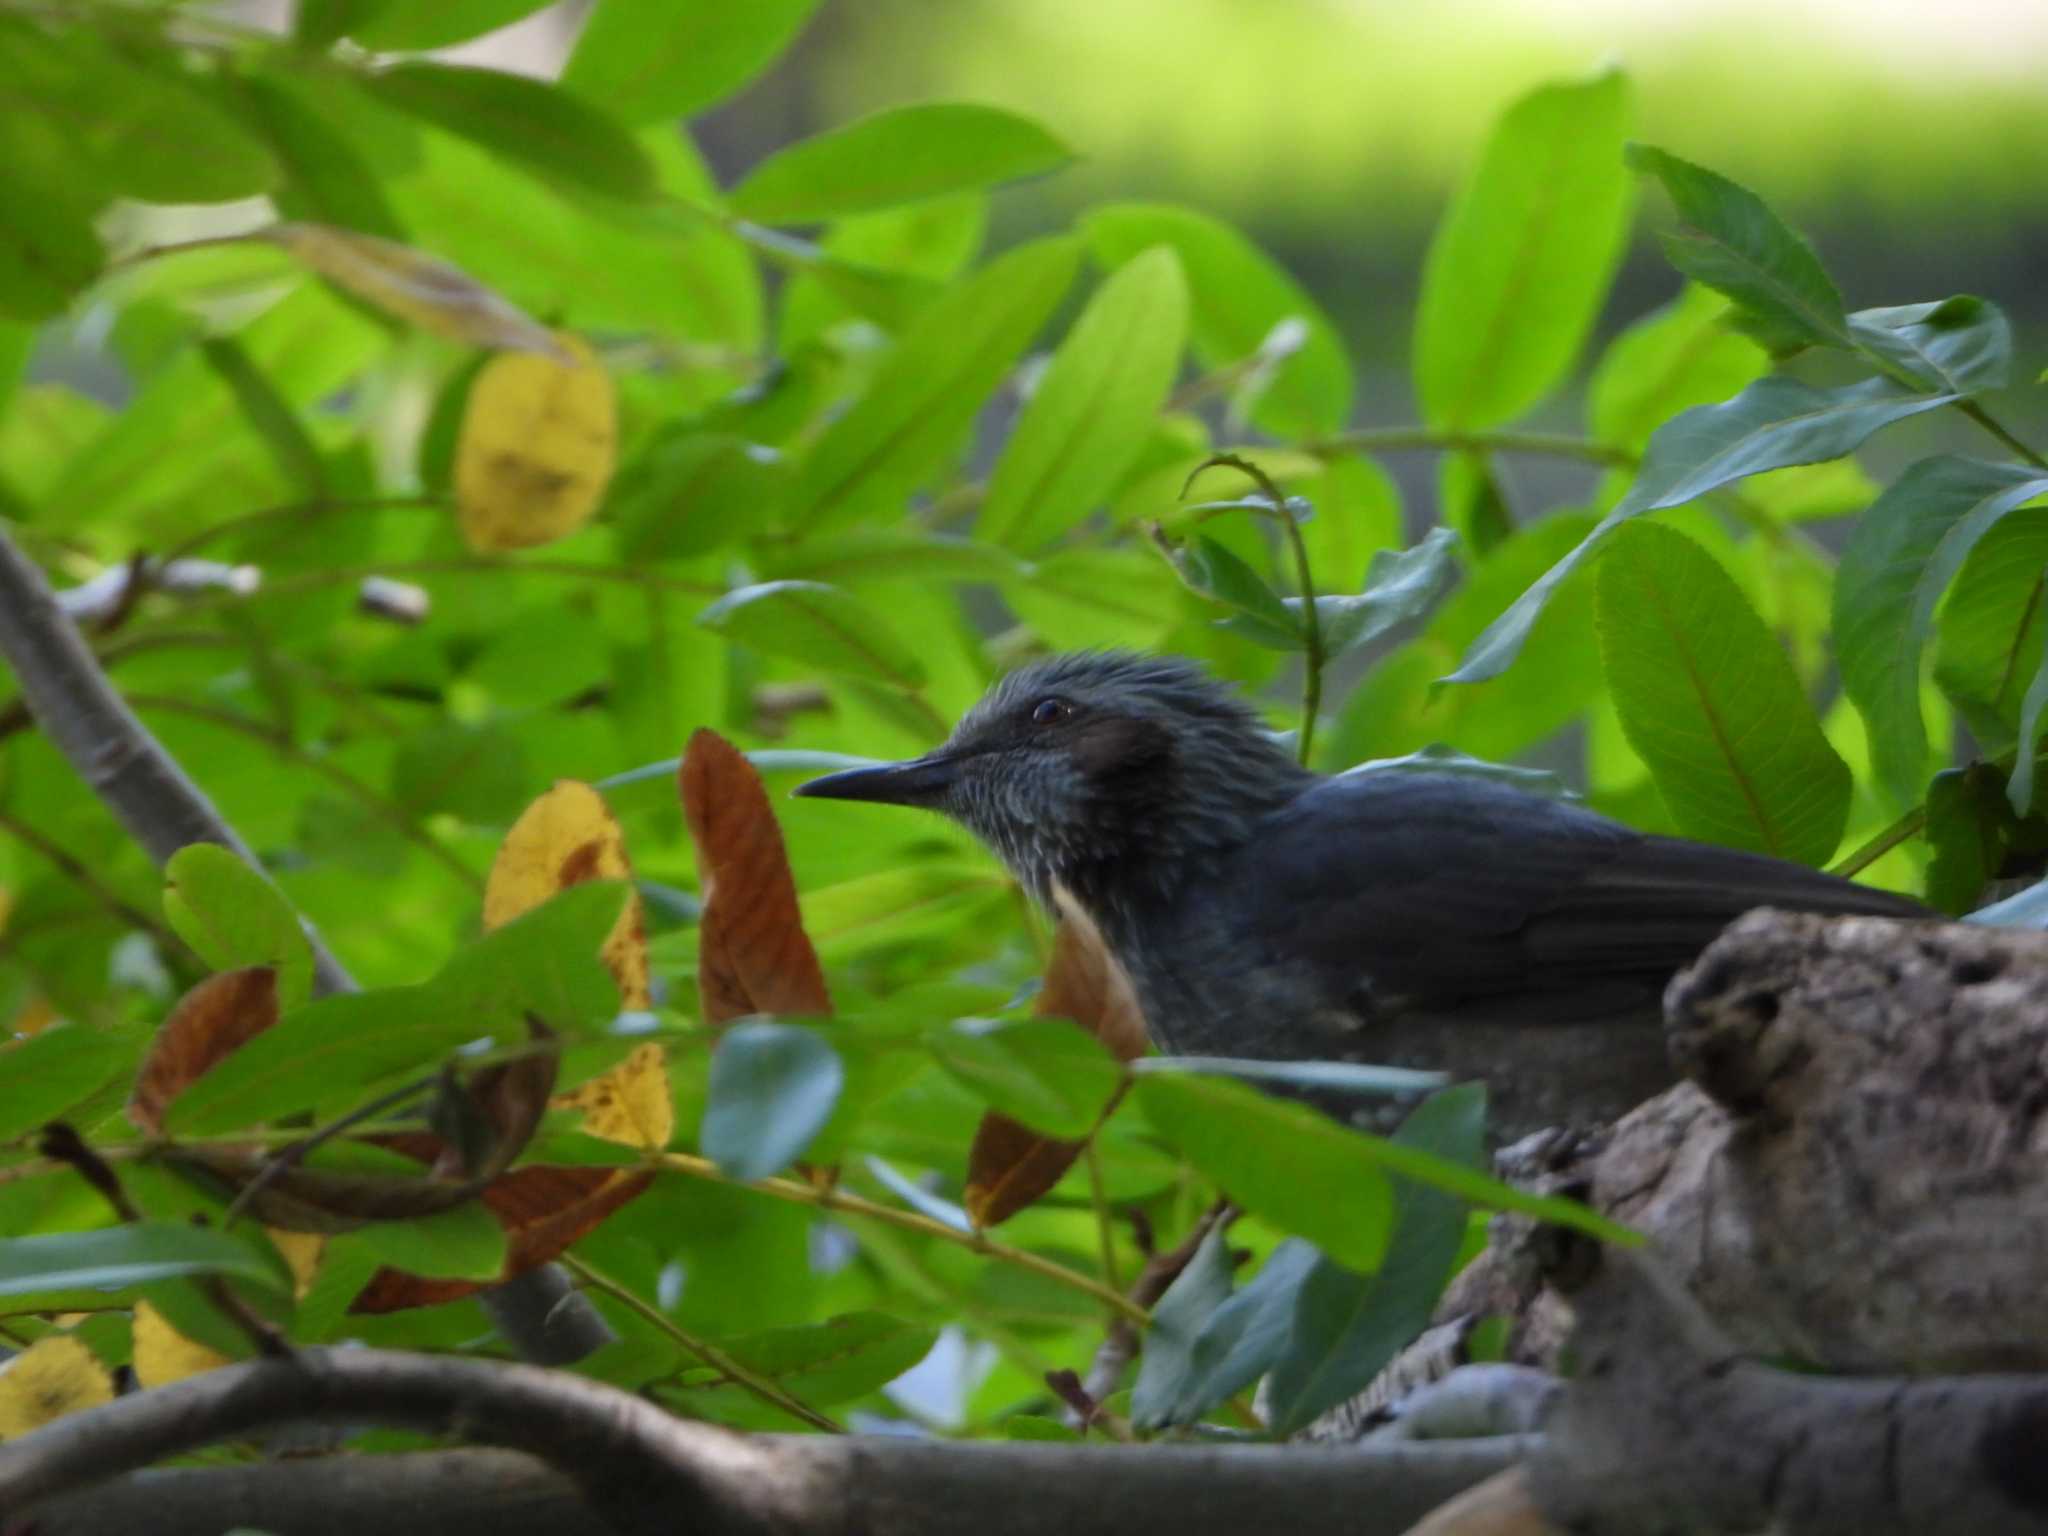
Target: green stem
[(704, 1349), (1906, 828), (299, 512), (1554, 445), (77, 871), (1991, 424)]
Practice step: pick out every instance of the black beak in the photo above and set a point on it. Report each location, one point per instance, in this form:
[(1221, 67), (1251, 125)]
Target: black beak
[(921, 781)]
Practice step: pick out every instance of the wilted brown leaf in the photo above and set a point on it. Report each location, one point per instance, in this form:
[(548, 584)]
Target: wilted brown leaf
[(753, 954), (208, 1023), (419, 289), (538, 443), (1012, 1166)]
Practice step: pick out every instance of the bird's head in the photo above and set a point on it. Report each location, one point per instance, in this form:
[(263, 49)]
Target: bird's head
[(1094, 769)]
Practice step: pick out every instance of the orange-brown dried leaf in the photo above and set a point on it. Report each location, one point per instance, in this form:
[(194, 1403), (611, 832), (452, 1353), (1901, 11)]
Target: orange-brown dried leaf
[(207, 1025), (1012, 1167), (543, 1211), (753, 953)]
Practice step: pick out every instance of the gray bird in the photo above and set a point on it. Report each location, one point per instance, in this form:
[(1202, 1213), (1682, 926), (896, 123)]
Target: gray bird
[(1429, 919)]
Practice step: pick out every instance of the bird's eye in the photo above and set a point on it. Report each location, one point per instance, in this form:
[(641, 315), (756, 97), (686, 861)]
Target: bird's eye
[(1050, 711)]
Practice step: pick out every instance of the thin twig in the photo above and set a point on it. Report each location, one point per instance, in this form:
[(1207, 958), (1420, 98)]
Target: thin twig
[(840, 1203), (100, 736), (1991, 424), (285, 747), (716, 1358), (302, 512), (566, 570), (294, 1153), (76, 870), (1120, 1344)]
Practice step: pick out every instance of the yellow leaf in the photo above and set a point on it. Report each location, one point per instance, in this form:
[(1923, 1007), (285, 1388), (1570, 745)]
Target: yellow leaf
[(52, 1377), (564, 838), (631, 1103), (301, 1252), (164, 1355), (536, 450), (419, 289)]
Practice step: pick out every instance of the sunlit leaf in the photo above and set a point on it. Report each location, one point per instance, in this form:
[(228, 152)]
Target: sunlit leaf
[(1519, 267), (536, 450), (899, 156), (1085, 422), (1682, 355), (1241, 298), (50, 1070), (136, 1254), (233, 916), (922, 400), (527, 122), (661, 59)]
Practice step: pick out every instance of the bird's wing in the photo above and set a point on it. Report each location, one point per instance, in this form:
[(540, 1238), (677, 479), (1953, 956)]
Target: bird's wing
[(1446, 893)]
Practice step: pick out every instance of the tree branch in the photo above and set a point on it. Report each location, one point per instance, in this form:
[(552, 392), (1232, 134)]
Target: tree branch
[(645, 1472), (101, 738)]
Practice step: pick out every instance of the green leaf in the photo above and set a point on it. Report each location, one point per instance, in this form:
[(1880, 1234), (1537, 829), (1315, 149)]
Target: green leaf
[(233, 916), (1048, 1074), (545, 961), (1728, 239), (893, 907), (1347, 1326), (44, 261), (1241, 297), (1262, 614), (1323, 1076), (1085, 424), (1179, 1318), (824, 626), (923, 399), (1708, 699), (406, 28), (47, 1073), (476, 773), (689, 492), (1994, 623), (931, 242), (462, 1243), (1961, 345), (1523, 259), (773, 1087), (647, 60), (1277, 1160), (2033, 715), (532, 125), (138, 1253), (1358, 514), (1238, 1342), (823, 1364), (1968, 825), (267, 413), (325, 179), (900, 156), (320, 24), (866, 555), (1400, 584), (1773, 423), (1473, 502), (1678, 357), (1900, 558)]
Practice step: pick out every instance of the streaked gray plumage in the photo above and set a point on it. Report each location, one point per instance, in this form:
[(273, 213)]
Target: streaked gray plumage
[(1414, 918)]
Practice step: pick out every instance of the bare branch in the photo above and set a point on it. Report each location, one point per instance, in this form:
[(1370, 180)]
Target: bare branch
[(646, 1472)]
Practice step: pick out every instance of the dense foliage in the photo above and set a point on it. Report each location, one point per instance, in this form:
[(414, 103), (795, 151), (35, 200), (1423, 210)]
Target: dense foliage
[(805, 478)]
